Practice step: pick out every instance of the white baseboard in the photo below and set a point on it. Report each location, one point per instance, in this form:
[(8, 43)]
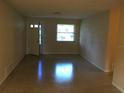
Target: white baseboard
[(116, 85), (61, 53), (47, 53), (2, 76), (104, 70), (7, 71)]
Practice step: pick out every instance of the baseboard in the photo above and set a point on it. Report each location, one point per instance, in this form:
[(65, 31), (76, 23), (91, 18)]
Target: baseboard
[(104, 70), (2, 76), (11, 67), (116, 85), (61, 53), (8, 70)]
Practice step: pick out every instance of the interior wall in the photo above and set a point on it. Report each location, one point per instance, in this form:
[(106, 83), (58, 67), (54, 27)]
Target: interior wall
[(114, 17), (118, 77), (93, 39), (12, 40), (51, 46)]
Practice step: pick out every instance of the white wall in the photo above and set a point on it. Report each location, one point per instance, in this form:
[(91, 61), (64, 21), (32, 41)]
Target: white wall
[(51, 46), (93, 39), (12, 40)]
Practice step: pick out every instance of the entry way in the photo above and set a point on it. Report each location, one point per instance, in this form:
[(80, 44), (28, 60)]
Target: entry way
[(35, 39)]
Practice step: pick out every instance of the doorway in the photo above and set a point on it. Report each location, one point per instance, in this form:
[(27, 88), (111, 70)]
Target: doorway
[(35, 39), (41, 39)]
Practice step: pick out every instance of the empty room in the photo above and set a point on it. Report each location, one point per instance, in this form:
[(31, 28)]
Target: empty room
[(61, 46)]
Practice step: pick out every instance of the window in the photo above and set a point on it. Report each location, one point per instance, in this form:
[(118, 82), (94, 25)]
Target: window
[(65, 32)]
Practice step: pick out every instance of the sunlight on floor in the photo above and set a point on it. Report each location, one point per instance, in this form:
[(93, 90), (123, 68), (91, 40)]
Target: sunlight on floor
[(63, 72)]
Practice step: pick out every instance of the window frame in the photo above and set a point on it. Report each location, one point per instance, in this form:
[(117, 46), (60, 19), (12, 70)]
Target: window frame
[(74, 33)]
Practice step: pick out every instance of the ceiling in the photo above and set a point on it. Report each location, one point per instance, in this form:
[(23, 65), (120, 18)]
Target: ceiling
[(60, 8)]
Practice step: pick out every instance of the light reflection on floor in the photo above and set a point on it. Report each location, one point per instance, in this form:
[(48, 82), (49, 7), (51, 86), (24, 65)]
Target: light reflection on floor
[(63, 72), (57, 74), (39, 70)]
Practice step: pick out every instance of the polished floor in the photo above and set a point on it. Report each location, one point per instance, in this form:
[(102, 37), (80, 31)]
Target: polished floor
[(57, 74)]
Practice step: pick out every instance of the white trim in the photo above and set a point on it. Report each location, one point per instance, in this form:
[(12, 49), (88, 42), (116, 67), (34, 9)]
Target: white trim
[(104, 70), (6, 73), (61, 53), (2, 76), (1, 81), (117, 86), (47, 53)]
